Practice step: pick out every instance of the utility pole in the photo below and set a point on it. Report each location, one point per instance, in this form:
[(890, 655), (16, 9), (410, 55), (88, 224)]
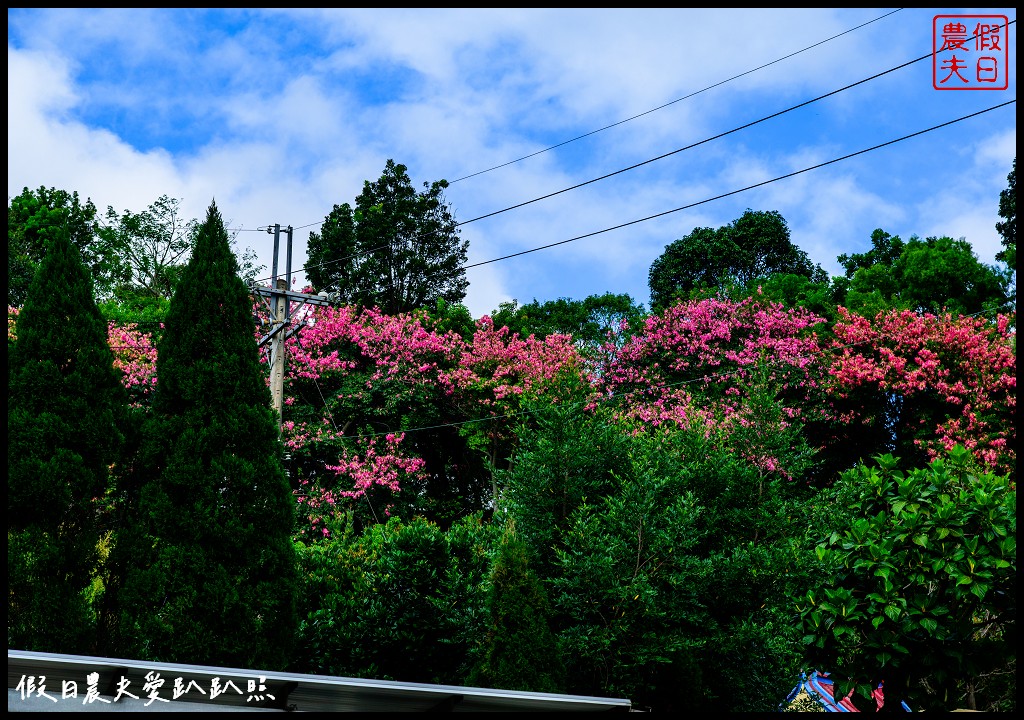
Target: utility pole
[(279, 298)]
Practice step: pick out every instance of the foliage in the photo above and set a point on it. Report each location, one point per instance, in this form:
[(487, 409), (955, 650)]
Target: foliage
[(402, 601), (1007, 227), (356, 373), (36, 217), (152, 247), (564, 456), (135, 357), (521, 650), (149, 251), (356, 378), (821, 298), (657, 548), (446, 317), (206, 550), (916, 385), (696, 365), (919, 583), (398, 250), (933, 275), (754, 246), (65, 423), (593, 323), (131, 308)]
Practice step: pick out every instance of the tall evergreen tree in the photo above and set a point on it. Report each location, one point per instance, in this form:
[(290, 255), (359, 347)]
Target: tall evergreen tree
[(214, 579), (398, 250), (65, 412), (522, 651)]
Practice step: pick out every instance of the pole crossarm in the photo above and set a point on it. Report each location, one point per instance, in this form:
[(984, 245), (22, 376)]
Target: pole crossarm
[(288, 296), (291, 295)]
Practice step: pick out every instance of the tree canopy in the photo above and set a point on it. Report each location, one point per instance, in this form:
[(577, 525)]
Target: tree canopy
[(593, 322), (398, 250), (152, 247), (36, 216), (918, 580), (755, 246), (1007, 227), (691, 490), (930, 275)]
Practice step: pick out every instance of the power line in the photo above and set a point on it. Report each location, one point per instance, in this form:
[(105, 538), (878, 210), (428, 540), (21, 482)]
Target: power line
[(735, 192), (640, 164), (723, 195), (809, 47), (673, 102), (696, 144)]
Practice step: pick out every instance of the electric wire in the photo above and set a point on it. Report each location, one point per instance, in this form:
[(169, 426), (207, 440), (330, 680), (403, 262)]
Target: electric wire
[(634, 117), (631, 167), (744, 189), (722, 195), (673, 102)]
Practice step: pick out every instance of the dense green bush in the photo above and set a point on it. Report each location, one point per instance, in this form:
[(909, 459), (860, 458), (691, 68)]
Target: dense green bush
[(402, 601)]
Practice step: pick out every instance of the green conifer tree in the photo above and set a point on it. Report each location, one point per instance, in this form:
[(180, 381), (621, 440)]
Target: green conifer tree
[(65, 414), (522, 652), (211, 576)]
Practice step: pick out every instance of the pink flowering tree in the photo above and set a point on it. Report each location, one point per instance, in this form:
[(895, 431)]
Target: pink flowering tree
[(12, 321), (920, 384), (357, 379), (499, 370), (354, 380), (135, 356), (743, 371), (395, 415)]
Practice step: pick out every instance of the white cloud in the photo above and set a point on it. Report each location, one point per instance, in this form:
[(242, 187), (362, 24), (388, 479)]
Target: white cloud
[(280, 126)]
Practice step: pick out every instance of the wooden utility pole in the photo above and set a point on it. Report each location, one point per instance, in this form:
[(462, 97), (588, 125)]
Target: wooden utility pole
[(279, 299), (277, 349)]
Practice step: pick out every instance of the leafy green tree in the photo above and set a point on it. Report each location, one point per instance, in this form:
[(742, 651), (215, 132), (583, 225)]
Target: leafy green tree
[(398, 250), (36, 216), (403, 600), (149, 251), (210, 577), (65, 418), (450, 317), (799, 291), (754, 246), (1007, 229), (597, 323), (668, 558), (522, 653), (152, 246), (562, 458), (918, 582), (886, 249), (927, 275)]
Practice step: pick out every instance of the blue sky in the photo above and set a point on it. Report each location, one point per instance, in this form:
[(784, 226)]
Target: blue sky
[(281, 114)]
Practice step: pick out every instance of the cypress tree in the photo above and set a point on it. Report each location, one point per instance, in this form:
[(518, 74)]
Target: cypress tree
[(65, 412), (212, 574), (522, 652)]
